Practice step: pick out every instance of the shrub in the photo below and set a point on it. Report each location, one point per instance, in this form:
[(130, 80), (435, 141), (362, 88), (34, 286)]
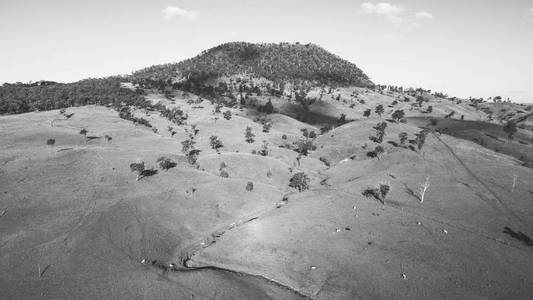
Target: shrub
[(325, 161), (192, 156), (227, 115), (139, 168), (384, 190), (379, 110), (380, 133), (303, 146), (266, 127), (420, 139), (50, 142), (403, 137), (223, 172), (83, 131), (299, 181), (166, 163), (367, 113), (284, 137), (510, 128), (264, 149), (326, 128), (249, 135), (215, 142), (268, 107), (249, 186), (398, 115), (379, 193), (341, 120)]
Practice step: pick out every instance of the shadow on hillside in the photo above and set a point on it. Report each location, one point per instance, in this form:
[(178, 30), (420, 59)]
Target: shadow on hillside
[(519, 236), (301, 114)]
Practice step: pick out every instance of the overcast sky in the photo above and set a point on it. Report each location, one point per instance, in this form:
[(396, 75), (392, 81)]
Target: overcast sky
[(477, 48)]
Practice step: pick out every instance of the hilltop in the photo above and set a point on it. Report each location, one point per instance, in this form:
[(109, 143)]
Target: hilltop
[(278, 63)]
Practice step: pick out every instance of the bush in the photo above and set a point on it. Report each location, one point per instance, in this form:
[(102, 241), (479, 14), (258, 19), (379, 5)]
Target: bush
[(420, 139), (303, 146), (215, 142), (284, 137), (299, 181), (398, 115), (403, 137), (223, 172), (83, 131), (367, 113), (266, 127), (141, 171), (227, 115), (510, 128), (50, 142), (166, 163), (379, 193), (379, 110), (264, 149), (249, 186), (249, 135)]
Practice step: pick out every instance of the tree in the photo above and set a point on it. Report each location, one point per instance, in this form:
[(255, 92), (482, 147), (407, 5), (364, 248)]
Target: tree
[(420, 100), (268, 107), (227, 115), (379, 110), (341, 120), (420, 139), (139, 168), (299, 181), (249, 135), (216, 143), (266, 127), (249, 186), (378, 151), (398, 115), (367, 113), (380, 133), (303, 146), (223, 172), (510, 128), (384, 190), (422, 188), (403, 137), (264, 149), (166, 163)]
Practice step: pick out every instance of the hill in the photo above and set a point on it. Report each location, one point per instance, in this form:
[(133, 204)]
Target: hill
[(278, 63), (75, 221), (219, 177)]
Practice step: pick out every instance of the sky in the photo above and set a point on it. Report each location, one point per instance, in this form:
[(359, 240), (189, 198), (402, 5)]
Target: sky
[(478, 48)]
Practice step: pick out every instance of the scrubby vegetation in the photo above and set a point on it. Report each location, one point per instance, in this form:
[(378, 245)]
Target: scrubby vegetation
[(166, 163), (215, 143), (47, 95), (299, 181), (249, 135), (379, 193), (280, 63)]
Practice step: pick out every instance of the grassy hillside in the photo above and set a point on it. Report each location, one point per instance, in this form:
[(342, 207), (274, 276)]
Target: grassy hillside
[(74, 219)]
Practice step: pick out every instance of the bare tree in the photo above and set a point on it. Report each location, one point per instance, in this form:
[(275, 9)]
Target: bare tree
[(422, 188)]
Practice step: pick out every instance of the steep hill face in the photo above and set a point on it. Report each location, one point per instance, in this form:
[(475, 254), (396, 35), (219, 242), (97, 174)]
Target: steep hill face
[(281, 62)]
